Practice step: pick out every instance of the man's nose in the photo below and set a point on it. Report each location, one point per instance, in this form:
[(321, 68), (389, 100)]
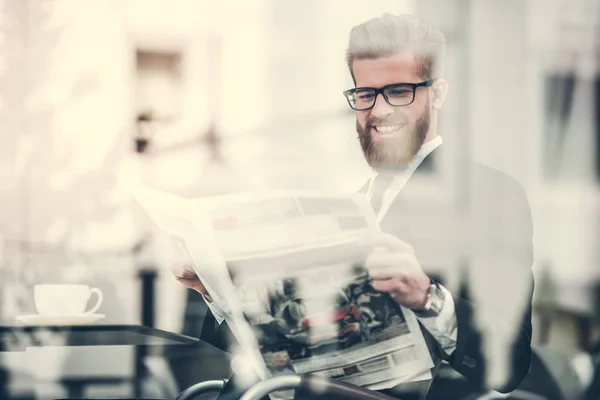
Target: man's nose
[(381, 109)]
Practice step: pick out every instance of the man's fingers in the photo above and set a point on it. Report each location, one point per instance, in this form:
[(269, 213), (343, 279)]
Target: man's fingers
[(385, 260), (193, 283), (385, 285), (186, 277), (388, 273), (379, 259), (180, 269), (389, 242)]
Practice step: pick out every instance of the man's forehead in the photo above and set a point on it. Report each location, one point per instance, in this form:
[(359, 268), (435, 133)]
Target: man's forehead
[(377, 72)]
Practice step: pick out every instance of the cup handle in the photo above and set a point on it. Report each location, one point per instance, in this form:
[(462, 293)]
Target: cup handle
[(98, 302)]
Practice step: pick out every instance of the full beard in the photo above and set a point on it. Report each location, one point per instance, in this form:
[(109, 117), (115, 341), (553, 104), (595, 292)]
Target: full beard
[(396, 153)]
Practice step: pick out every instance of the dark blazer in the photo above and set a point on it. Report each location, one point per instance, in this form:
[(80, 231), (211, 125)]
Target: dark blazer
[(473, 233)]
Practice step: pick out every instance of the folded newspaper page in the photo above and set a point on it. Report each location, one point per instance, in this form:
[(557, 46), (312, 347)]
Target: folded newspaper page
[(286, 271)]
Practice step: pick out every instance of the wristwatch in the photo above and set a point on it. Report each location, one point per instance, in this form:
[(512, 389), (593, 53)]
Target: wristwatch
[(435, 301)]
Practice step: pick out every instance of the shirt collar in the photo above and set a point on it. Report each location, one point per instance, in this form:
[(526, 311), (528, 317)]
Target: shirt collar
[(423, 152), (429, 147)]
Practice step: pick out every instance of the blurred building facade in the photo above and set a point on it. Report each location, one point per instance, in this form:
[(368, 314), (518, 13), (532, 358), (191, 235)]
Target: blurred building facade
[(528, 82)]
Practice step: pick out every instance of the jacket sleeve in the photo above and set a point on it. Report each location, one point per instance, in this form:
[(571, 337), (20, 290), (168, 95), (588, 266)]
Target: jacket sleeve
[(494, 305), (470, 357), (218, 335)]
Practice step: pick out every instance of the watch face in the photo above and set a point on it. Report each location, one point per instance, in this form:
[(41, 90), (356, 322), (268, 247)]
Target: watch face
[(437, 299), (435, 302)]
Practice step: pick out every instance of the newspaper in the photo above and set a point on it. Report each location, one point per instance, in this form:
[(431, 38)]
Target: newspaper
[(286, 269)]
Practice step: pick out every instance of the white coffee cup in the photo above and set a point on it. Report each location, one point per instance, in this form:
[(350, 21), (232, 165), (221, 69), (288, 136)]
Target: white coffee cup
[(65, 299)]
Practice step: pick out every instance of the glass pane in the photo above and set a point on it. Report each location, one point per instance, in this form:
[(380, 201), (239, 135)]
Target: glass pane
[(400, 94), (364, 98)]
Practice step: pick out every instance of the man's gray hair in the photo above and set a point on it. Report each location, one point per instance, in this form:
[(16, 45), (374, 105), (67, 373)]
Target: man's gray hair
[(393, 34)]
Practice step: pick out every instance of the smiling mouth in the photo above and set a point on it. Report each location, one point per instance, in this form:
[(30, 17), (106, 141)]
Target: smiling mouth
[(387, 129)]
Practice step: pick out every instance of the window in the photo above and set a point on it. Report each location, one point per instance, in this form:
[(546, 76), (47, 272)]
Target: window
[(558, 100), (597, 126), (571, 125), (159, 86)]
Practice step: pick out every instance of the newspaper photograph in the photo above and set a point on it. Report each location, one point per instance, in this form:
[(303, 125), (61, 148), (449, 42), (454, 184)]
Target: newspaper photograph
[(331, 322), (286, 269)]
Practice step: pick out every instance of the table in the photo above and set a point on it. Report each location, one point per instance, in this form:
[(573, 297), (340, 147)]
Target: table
[(20, 337), (146, 339)]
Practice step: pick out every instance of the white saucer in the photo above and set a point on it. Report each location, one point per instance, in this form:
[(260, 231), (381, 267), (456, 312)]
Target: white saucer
[(39, 320)]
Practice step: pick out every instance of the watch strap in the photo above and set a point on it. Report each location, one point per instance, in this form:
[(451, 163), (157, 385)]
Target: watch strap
[(435, 301)]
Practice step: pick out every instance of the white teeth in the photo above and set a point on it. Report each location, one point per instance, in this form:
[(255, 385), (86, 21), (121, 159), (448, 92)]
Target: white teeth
[(388, 128)]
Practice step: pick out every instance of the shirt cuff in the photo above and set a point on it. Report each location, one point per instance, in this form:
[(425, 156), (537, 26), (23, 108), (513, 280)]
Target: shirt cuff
[(443, 327), (215, 310)]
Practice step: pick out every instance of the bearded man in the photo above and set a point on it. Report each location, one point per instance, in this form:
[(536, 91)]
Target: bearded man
[(459, 257), (480, 232)]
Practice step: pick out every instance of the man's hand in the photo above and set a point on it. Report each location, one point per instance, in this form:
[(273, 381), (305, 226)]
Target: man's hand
[(394, 269), (184, 274)]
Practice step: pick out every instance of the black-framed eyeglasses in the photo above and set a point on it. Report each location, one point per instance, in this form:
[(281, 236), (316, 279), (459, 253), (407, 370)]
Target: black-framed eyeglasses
[(397, 95)]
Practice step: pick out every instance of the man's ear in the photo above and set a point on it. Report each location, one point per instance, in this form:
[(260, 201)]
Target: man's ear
[(438, 93)]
